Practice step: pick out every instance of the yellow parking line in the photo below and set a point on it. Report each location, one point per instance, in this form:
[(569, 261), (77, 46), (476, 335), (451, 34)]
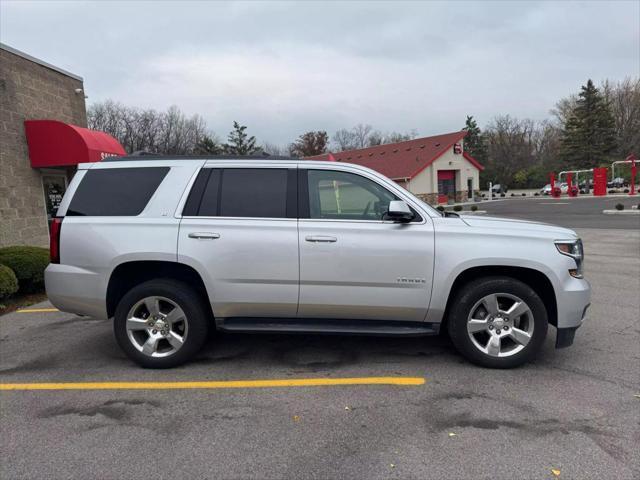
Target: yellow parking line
[(301, 382), (37, 310)]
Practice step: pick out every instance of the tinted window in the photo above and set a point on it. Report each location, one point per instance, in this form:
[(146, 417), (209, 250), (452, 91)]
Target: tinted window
[(116, 191), (346, 196), (211, 196), (192, 205), (253, 192), (241, 192)]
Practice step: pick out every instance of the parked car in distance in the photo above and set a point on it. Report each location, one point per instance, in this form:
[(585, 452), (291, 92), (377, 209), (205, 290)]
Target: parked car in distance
[(618, 182), (172, 249), (585, 186), (499, 188), (546, 190)]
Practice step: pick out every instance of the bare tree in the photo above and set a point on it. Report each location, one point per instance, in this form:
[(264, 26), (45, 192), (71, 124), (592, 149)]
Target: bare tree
[(361, 135), (170, 132), (344, 140), (273, 149), (376, 138), (624, 100), (310, 143), (510, 146), (396, 137), (564, 109)]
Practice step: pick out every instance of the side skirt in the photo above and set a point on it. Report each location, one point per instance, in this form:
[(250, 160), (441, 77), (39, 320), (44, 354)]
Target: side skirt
[(327, 326)]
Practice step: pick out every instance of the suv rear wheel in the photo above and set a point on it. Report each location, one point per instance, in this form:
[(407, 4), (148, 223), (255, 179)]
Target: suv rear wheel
[(498, 322), (161, 323)]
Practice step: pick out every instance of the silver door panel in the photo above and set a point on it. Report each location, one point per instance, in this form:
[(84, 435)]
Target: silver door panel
[(250, 264), (372, 270)]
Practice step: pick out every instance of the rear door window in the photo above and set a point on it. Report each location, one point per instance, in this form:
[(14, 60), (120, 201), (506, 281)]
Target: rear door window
[(253, 193), (117, 192), (242, 192)]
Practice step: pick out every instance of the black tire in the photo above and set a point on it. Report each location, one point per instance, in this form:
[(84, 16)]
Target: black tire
[(187, 299), (465, 299)]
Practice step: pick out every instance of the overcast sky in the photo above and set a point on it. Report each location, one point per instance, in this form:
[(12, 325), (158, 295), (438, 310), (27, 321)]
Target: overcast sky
[(285, 68)]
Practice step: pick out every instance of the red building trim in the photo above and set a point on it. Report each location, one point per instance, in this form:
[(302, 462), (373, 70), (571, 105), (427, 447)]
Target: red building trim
[(473, 161)]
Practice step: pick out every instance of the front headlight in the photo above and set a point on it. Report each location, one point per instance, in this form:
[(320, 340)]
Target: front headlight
[(573, 249)]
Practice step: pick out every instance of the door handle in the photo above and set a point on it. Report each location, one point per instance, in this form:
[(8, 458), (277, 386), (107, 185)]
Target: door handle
[(204, 235), (321, 239)]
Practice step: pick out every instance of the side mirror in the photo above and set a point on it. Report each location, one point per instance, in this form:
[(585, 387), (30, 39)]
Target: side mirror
[(399, 211)]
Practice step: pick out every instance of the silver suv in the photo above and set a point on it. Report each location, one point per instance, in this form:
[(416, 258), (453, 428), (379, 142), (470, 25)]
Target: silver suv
[(173, 248)]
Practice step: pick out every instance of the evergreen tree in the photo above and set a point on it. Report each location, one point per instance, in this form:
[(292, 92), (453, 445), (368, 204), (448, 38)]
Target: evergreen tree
[(588, 136), (208, 146), (474, 142), (239, 142)]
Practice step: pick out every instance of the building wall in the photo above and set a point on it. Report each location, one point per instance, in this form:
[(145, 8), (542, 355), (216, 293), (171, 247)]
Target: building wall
[(425, 184), (29, 91)]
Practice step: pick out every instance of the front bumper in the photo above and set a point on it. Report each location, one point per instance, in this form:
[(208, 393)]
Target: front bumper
[(572, 297), (564, 336), (573, 301)]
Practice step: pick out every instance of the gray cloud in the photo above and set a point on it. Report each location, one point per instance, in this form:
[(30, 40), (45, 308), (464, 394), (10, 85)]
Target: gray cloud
[(283, 68)]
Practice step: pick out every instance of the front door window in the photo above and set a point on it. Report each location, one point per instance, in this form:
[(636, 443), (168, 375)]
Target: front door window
[(346, 196)]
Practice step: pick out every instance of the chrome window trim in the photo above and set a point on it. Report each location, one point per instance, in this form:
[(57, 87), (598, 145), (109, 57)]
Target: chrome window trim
[(270, 219), (309, 165)]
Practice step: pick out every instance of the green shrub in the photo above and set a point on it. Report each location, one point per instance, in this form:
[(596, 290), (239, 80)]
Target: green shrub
[(8, 282), (457, 208), (619, 206), (440, 207), (28, 263), (474, 208)]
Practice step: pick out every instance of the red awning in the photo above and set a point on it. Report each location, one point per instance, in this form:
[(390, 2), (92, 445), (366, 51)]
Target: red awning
[(57, 144)]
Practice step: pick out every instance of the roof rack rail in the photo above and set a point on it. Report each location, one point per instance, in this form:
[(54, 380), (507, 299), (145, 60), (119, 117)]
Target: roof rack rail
[(137, 156), (142, 153)]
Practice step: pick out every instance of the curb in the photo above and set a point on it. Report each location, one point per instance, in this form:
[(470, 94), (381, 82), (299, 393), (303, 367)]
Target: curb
[(469, 212), (621, 212)]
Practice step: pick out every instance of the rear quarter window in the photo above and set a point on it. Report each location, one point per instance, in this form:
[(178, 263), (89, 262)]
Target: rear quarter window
[(116, 191)]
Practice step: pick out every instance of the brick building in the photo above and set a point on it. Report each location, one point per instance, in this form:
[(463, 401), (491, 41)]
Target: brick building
[(34, 171), (436, 169)]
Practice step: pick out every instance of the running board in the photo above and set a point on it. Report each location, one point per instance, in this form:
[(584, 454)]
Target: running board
[(327, 326)]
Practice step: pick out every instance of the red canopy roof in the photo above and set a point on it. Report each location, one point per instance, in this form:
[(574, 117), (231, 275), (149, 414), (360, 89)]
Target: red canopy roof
[(403, 159), (58, 144)]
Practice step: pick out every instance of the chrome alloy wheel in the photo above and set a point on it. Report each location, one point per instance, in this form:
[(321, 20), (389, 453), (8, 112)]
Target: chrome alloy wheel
[(157, 326), (500, 325)]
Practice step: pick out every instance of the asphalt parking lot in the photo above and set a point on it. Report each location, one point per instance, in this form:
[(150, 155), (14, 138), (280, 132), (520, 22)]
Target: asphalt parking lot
[(580, 212), (573, 414)]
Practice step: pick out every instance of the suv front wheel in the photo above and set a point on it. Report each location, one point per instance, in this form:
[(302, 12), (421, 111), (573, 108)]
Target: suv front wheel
[(498, 322), (161, 323)]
